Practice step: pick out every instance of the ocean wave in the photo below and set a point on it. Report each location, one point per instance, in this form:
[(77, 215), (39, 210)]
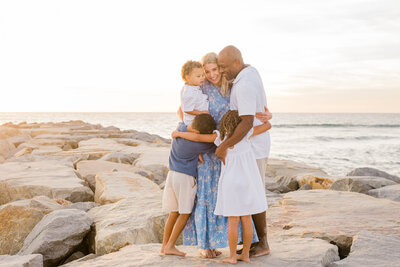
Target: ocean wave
[(352, 138), (333, 125)]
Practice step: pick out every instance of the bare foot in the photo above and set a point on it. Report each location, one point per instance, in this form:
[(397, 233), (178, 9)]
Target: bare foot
[(208, 253), (260, 251), (173, 251), (243, 257), (231, 260)]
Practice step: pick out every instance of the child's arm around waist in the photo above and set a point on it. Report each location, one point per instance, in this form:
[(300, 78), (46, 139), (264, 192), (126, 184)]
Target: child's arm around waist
[(261, 128), (195, 137)]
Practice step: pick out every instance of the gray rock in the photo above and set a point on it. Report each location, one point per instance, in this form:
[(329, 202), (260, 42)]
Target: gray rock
[(75, 256), (33, 260), (373, 172), (360, 184), (391, 192), (372, 249), (305, 187), (84, 206), (57, 235), (121, 157)]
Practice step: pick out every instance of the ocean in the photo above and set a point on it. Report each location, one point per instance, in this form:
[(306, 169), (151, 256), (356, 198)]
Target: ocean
[(337, 143)]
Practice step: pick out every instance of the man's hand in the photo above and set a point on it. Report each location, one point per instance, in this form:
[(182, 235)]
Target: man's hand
[(264, 116), (175, 134), (221, 152)]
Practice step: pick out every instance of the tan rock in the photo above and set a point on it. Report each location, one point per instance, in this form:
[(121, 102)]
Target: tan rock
[(136, 220), (155, 159), (51, 178), (333, 216), (112, 187), (19, 139), (360, 184), (5, 147), (88, 169), (299, 252), (18, 218), (33, 260)]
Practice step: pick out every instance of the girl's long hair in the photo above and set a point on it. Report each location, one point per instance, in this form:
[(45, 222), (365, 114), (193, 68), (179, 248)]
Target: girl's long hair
[(212, 58), (228, 123)]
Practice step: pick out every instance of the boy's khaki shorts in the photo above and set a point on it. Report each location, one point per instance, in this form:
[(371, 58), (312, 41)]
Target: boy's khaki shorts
[(179, 193)]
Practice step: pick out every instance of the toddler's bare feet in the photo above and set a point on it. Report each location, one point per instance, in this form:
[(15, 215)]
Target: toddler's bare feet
[(231, 260), (243, 257), (173, 251)]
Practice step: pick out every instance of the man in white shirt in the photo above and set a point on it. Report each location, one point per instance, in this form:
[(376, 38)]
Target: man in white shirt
[(248, 97)]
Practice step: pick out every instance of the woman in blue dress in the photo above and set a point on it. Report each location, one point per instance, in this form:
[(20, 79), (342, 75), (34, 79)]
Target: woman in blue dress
[(205, 229)]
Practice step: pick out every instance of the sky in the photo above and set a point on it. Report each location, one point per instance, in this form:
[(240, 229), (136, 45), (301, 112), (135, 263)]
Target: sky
[(126, 56)]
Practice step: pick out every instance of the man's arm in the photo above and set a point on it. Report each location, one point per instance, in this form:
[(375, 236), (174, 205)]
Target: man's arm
[(241, 130)]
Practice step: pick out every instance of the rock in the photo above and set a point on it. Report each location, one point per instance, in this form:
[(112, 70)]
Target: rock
[(333, 216), (146, 137), (273, 198), (391, 192), (19, 139), (373, 172), (289, 173), (316, 182), (156, 160), (18, 218), (85, 206), (74, 256), (88, 169), (112, 187), (136, 220), (5, 147), (121, 157), (34, 260), (305, 187), (57, 235), (360, 184), (7, 132), (276, 187), (372, 249), (299, 252), (52, 178)]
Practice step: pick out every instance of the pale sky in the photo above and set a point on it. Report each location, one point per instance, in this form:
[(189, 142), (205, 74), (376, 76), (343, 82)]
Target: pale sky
[(125, 56)]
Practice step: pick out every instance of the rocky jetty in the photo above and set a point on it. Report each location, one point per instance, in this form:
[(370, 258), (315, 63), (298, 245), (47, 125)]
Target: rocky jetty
[(78, 194)]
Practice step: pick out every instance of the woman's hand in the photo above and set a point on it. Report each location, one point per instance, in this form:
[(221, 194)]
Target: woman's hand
[(175, 134), (264, 116)]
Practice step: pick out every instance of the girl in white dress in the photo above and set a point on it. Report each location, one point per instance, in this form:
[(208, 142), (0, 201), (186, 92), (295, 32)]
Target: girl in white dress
[(241, 191)]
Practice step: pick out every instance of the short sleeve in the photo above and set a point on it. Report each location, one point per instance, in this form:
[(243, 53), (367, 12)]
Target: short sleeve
[(246, 100), (217, 140), (188, 101)]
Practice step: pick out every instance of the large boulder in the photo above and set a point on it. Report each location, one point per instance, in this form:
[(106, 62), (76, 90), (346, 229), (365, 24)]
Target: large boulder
[(391, 192), (5, 148), (156, 160), (17, 219), (34, 260), (334, 216), (57, 235), (114, 186), (360, 184), (121, 157), (88, 169), (299, 252), (372, 249), (289, 174), (52, 178), (19, 139), (135, 220), (373, 172)]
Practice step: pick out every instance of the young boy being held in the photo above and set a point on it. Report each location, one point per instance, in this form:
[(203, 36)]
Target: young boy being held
[(181, 187), (193, 101)]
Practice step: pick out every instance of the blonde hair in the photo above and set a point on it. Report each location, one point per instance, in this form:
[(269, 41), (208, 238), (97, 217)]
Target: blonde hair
[(228, 123), (212, 58), (188, 67)]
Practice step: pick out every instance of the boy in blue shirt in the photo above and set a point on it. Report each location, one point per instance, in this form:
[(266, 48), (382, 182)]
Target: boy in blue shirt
[(181, 187)]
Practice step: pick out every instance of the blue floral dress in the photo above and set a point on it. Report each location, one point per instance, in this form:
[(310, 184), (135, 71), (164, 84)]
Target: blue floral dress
[(204, 229)]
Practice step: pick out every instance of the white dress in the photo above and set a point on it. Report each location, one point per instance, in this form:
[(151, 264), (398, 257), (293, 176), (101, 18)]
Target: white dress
[(240, 187)]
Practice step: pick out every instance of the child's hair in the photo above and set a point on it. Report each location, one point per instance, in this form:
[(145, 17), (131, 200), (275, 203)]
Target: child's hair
[(204, 123), (212, 58), (228, 123), (188, 67)]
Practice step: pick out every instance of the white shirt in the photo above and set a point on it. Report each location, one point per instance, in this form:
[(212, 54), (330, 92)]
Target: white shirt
[(192, 98), (248, 97)]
